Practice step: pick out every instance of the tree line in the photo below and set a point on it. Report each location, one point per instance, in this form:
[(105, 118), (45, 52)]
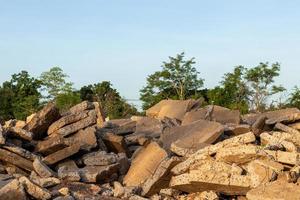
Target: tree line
[(247, 89)]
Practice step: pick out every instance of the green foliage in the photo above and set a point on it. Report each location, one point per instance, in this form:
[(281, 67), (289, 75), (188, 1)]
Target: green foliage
[(54, 83), (58, 89), (20, 96), (261, 79), (178, 79), (114, 106), (233, 92), (294, 100), (66, 100)]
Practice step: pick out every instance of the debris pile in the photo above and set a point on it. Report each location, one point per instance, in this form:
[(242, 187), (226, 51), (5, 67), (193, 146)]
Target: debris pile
[(179, 150)]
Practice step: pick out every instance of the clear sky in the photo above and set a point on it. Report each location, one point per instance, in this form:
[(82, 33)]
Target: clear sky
[(123, 41)]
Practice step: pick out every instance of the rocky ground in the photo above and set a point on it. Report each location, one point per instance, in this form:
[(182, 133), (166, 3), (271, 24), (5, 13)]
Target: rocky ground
[(179, 150)]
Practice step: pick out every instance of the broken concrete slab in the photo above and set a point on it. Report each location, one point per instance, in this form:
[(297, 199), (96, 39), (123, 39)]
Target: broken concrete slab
[(40, 123), (61, 154), (42, 169), (275, 190), (50, 145), (192, 135), (69, 171), (212, 175), (20, 133), (144, 164), (13, 190), (291, 158), (74, 127), (20, 151), (86, 138), (98, 174), (161, 177), (99, 158), (204, 153), (277, 139), (237, 129), (239, 154), (15, 159), (213, 113), (115, 143), (44, 182), (66, 120), (33, 189), (148, 126), (171, 108)]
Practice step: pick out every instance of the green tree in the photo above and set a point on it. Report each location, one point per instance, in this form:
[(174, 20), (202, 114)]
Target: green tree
[(54, 83), (113, 104), (178, 79), (20, 96), (233, 92), (261, 83), (294, 99), (58, 89)]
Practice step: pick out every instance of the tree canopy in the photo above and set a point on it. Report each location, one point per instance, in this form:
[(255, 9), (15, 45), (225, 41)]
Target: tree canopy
[(178, 79)]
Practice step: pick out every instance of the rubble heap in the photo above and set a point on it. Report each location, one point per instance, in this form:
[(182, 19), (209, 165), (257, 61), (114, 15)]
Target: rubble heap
[(179, 150)]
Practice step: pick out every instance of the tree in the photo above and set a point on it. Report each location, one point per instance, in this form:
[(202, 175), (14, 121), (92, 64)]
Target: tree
[(114, 106), (54, 83), (294, 100), (178, 79), (20, 96), (261, 79), (58, 89), (233, 92)]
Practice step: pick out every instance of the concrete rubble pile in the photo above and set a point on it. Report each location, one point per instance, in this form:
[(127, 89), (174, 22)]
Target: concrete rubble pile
[(179, 150)]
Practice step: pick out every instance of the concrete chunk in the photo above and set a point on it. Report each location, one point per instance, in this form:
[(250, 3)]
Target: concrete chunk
[(15, 159), (98, 174), (61, 154), (144, 164), (34, 190), (72, 128), (13, 190), (68, 119), (42, 169), (115, 143), (99, 158), (68, 170), (40, 123)]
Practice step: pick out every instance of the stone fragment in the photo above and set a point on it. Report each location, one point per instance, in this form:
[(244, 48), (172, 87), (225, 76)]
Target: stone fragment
[(213, 113), (66, 120), (99, 158), (161, 177), (204, 153), (259, 174), (115, 143), (20, 133), (100, 114), (61, 154), (171, 108), (42, 169), (239, 154), (72, 128), (295, 125), (277, 139), (98, 174), (85, 105), (15, 159), (237, 129), (119, 190), (191, 137), (69, 171), (291, 158), (14, 170), (258, 125), (276, 190), (20, 151), (212, 175), (44, 182), (30, 117), (40, 123), (13, 190), (68, 197), (83, 191), (50, 145), (287, 115), (125, 128), (34, 190), (206, 195), (144, 164), (64, 191), (86, 138), (149, 127)]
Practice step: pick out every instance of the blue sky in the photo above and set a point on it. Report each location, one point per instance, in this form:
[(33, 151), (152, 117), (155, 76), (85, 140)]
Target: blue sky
[(124, 41)]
